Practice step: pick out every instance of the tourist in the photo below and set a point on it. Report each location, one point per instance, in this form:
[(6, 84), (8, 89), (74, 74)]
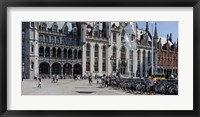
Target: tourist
[(39, 83), (152, 82), (57, 77)]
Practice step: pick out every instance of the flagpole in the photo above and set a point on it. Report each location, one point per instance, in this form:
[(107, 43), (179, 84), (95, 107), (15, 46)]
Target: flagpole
[(152, 65)]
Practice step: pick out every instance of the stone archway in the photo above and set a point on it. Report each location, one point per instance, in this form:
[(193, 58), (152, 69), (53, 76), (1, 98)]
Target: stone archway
[(56, 68), (44, 68), (67, 69), (77, 69)]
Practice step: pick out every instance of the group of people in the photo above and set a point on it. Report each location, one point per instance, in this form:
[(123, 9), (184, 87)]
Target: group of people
[(55, 78)]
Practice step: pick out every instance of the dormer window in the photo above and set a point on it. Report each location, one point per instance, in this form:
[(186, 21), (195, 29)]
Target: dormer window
[(74, 31), (54, 27), (44, 26), (65, 30)]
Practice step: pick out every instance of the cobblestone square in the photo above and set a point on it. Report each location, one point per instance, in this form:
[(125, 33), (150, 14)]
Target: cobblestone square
[(68, 87)]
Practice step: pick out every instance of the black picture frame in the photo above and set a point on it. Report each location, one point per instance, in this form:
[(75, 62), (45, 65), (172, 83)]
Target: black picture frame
[(99, 3)]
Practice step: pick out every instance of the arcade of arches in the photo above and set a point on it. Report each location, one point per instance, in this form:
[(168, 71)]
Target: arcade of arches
[(57, 68), (60, 53)]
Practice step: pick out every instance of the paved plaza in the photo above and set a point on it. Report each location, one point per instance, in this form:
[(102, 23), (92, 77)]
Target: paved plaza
[(68, 87)]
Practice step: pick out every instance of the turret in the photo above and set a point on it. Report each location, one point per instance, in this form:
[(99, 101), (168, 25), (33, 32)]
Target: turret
[(147, 27)]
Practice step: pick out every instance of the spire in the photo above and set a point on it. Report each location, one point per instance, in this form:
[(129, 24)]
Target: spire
[(170, 37), (155, 32), (147, 27), (177, 44), (136, 25), (167, 37)]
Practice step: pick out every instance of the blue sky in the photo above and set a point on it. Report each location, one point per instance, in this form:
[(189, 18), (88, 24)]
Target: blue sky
[(163, 28)]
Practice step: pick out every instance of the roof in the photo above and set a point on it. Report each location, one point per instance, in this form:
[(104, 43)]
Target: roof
[(60, 25)]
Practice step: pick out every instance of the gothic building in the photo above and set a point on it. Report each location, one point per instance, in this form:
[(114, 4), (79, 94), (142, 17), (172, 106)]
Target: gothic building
[(48, 49), (167, 62), (93, 48)]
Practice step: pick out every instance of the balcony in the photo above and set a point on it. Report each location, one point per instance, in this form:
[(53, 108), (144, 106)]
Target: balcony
[(65, 60)]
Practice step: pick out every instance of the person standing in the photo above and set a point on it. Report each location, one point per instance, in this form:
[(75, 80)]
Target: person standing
[(152, 83), (57, 77), (89, 79)]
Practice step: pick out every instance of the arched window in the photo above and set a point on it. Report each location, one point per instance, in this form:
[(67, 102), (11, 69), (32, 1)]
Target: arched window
[(96, 57), (47, 52), (88, 57), (41, 51), (70, 54), (104, 58), (59, 52), (54, 52), (65, 53), (75, 54)]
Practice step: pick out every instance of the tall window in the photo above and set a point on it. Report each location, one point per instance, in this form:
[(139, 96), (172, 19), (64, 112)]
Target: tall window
[(32, 48), (138, 60), (114, 59), (88, 57), (114, 37), (52, 40), (131, 61), (46, 39), (41, 38), (144, 64), (123, 53), (149, 58), (96, 57), (65, 30), (104, 59), (123, 59), (63, 40), (57, 40), (32, 65)]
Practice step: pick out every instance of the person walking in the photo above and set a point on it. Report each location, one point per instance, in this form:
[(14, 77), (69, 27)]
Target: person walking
[(39, 83)]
